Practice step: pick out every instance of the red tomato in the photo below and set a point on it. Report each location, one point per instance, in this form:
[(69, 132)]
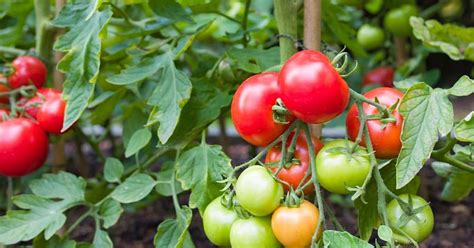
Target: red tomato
[(295, 173), (27, 70), (312, 89), (32, 105), (23, 147), (385, 140), (381, 75), (3, 112), (51, 115), (251, 109), (4, 89)]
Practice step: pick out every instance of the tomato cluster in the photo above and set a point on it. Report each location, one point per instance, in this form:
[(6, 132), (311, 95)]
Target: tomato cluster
[(270, 223), (24, 121)]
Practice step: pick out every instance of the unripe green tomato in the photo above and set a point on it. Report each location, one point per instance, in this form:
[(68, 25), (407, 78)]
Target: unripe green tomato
[(217, 221), (338, 169), (370, 37), (257, 191), (397, 21), (253, 232), (418, 229)]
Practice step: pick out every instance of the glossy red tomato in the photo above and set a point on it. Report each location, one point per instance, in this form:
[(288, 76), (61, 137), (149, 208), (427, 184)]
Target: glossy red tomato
[(296, 171), (23, 147), (32, 105), (385, 139), (27, 70), (382, 75), (4, 89), (251, 109), (312, 89), (51, 115)]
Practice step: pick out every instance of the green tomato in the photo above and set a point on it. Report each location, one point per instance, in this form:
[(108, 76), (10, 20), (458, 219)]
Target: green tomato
[(397, 21), (257, 191), (217, 221), (419, 227), (452, 9), (338, 169), (253, 232), (370, 37)]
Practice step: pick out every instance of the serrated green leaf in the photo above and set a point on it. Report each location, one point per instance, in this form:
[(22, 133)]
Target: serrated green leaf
[(459, 183), (170, 96), (101, 239), (59, 186), (170, 9), (174, 232), (199, 169), (110, 212), (455, 41), (335, 239), (385, 233), (463, 87), (139, 140), (82, 45), (135, 188), (464, 130), (113, 170), (426, 113), (164, 177), (53, 242), (139, 72), (255, 60)]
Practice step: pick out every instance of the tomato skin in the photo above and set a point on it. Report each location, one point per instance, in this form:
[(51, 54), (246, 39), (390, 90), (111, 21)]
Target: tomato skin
[(27, 70), (294, 226), (397, 21), (337, 170), (253, 232), (217, 221), (33, 104), (251, 109), (417, 231), (51, 115), (4, 89), (381, 75), (23, 147), (385, 141), (370, 37), (257, 191), (294, 174), (312, 90)]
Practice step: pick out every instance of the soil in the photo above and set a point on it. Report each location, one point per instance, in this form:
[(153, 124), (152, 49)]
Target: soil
[(136, 228)]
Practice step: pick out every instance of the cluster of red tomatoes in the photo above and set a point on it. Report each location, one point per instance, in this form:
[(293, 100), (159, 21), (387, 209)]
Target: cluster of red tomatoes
[(312, 91), (25, 122)]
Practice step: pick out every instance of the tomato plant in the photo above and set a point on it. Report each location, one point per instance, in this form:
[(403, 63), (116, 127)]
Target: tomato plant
[(382, 75), (312, 89), (253, 232), (294, 226), (338, 167), (27, 70), (32, 105), (4, 89), (217, 221), (50, 115), (19, 137), (417, 222), (370, 37), (295, 169), (384, 135), (397, 20)]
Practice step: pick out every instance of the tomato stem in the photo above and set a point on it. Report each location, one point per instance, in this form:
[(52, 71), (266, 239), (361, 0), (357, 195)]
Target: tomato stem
[(359, 97), (9, 193), (43, 29), (244, 22), (12, 50), (287, 20)]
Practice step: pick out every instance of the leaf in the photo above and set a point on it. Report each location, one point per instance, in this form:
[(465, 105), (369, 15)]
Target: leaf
[(110, 211), (174, 232), (139, 140), (455, 41), (367, 215), (135, 188), (335, 239), (463, 87), (43, 210), (459, 183), (81, 63), (54, 242), (254, 60), (165, 175), (101, 239), (170, 96), (139, 72), (426, 113), (199, 169), (385, 233), (170, 9), (113, 170), (464, 130), (203, 108)]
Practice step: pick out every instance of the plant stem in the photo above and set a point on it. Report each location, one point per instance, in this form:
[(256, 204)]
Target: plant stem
[(176, 205), (12, 50), (9, 193), (89, 141), (79, 221), (453, 161), (43, 32), (286, 17), (401, 50), (244, 22), (380, 107)]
